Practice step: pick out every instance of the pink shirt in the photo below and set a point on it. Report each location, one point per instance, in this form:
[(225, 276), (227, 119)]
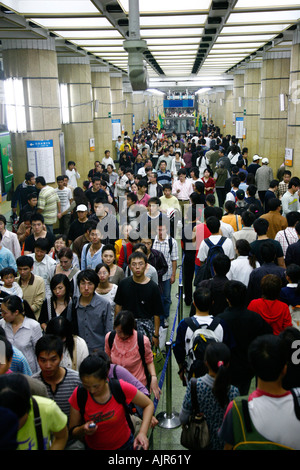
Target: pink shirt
[(126, 354)]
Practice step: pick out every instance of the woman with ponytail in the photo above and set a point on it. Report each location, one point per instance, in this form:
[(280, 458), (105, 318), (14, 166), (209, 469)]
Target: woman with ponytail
[(243, 265), (21, 328), (214, 392)]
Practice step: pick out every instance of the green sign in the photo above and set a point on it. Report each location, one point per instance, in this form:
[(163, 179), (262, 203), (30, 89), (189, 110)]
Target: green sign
[(6, 161)]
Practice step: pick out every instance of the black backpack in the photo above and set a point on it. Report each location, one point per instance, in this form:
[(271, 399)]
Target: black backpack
[(140, 340), (202, 336), (206, 270), (118, 394)]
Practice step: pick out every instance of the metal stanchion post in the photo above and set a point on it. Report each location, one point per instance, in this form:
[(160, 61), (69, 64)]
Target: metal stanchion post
[(168, 419), (180, 317)]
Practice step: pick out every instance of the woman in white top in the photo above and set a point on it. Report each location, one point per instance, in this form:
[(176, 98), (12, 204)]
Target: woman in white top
[(177, 163), (105, 288), (75, 347), (202, 163), (21, 328), (244, 264)]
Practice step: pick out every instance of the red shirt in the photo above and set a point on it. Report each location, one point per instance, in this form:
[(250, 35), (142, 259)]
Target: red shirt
[(113, 430), (274, 312), (210, 183), (202, 232)]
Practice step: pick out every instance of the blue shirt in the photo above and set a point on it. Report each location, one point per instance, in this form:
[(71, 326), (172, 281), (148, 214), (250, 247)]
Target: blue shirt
[(7, 259), (88, 261)]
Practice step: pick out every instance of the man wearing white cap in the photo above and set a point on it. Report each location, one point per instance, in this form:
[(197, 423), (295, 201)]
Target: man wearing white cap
[(263, 178), (77, 227), (253, 167)]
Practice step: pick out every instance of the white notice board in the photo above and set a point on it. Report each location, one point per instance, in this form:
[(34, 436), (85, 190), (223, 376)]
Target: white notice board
[(239, 127), (116, 128), (40, 159)]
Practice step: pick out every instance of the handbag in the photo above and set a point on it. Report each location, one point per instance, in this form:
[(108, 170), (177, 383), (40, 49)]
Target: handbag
[(158, 360), (195, 434)]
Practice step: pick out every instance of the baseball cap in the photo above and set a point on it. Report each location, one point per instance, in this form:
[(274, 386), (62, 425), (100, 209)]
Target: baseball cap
[(256, 157), (81, 207), (265, 160)]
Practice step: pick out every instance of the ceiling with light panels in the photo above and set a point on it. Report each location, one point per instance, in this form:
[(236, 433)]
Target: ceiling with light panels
[(198, 46)]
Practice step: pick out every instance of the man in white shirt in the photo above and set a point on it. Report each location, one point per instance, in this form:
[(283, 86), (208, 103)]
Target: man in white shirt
[(213, 224), (168, 247), (9, 239), (290, 200), (107, 159), (182, 188), (43, 264), (72, 174), (247, 232), (65, 197)]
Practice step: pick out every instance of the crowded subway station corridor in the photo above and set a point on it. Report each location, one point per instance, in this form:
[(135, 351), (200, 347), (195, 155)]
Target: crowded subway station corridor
[(149, 227)]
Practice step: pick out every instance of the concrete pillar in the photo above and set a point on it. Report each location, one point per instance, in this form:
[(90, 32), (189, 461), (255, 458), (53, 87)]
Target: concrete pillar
[(36, 62), (117, 98), (139, 111), (227, 128), (273, 122), (252, 87), (293, 124), (103, 111), (76, 73)]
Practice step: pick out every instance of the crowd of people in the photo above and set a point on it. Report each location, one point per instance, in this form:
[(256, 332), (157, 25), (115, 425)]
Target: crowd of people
[(86, 279)]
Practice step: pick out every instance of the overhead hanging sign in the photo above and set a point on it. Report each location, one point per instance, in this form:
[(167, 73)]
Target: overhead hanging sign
[(40, 159)]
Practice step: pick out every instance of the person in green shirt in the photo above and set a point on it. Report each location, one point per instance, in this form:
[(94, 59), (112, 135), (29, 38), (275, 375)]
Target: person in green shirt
[(15, 395)]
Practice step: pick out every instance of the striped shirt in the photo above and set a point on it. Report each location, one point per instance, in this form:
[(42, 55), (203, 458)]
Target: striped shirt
[(65, 197), (286, 237), (164, 248), (64, 389), (47, 201)]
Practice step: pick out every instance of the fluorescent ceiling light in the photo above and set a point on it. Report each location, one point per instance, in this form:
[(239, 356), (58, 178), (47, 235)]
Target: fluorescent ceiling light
[(264, 17), (145, 33), (15, 105), (64, 103), (245, 39), (99, 42), (89, 34), (235, 47), (106, 49), (167, 5), (185, 47), (173, 20), (51, 6), (202, 90), (170, 41), (54, 23), (155, 92), (265, 3), (255, 28), (226, 57), (177, 54)]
